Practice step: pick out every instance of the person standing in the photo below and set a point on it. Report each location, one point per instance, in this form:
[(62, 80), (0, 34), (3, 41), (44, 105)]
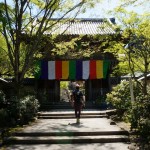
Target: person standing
[(77, 100)]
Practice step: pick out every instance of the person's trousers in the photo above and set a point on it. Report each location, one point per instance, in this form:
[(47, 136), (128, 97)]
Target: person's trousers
[(77, 108)]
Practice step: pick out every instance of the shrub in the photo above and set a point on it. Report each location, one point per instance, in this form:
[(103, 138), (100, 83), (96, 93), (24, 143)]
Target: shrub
[(2, 98), (28, 107), (4, 118), (120, 96), (141, 114), (138, 112), (22, 110)]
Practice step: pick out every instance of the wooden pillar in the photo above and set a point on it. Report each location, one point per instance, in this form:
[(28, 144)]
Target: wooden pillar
[(57, 91), (89, 90)]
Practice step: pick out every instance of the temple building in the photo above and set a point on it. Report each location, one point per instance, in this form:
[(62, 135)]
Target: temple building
[(83, 61)]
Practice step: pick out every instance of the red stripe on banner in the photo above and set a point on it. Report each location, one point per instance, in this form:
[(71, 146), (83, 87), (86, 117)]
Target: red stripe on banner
[(92, 69), (58, 69)]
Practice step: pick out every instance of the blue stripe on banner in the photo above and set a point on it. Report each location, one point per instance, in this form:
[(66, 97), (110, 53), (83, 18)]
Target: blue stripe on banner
[(44, 69), (79, 69)]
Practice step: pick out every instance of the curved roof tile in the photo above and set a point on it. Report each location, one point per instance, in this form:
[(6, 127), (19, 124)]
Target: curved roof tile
[(84, 27)]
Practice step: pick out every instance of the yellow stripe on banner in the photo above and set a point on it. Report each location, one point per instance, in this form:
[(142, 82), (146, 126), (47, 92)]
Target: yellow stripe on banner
[(65, 69), (99, 69)]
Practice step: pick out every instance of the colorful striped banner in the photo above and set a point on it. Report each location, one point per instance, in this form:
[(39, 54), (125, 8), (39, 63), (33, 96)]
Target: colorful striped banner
[(44, 69), (93, 69), (106, 65), (79, 70), (58, 69), (99, 69), (65, 69), (51, 70), (86, 68), (72, 69)]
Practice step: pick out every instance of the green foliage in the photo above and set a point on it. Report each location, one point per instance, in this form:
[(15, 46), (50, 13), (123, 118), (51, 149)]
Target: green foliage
[(23, 25), (5, 67), (137, 112), (64, 84), (4, 118), (140, 115), (18, 111), (28, 108), (2, 97), (134, 42), (120, 96)]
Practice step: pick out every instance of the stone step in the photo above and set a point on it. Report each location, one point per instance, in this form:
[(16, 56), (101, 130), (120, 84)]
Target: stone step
[(65, 139), (65, 105), (70, 113), (73, 133), (71, 116)]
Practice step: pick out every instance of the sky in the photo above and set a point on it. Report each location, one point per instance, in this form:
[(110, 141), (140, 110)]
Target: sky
[(100, 10)]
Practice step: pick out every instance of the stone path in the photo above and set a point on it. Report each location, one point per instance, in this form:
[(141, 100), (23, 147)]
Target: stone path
[(65, 134)]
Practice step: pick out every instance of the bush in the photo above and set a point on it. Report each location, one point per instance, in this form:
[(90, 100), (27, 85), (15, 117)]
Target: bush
[(4, 118), (2, 98), (120, 96), (28, 107), (22, 110), (141, 114), (137, 112)]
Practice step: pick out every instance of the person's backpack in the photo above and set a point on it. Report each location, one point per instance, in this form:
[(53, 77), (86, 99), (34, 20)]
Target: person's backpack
[(78, 97)]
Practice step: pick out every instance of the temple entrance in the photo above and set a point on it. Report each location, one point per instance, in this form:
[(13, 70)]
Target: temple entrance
[(66, 88), (57, 80)]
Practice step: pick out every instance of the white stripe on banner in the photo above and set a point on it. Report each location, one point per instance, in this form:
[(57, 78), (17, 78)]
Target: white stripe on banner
[(85, 74), (51, 70)]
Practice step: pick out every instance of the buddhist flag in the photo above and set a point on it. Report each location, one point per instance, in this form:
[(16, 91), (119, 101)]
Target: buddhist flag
[(99, 69), (72, 69), (78, 69), (51, 70), (106, 64), (92, 69), (44, 69), (58, 69), (37, 69), (65, 69), (85, 70)]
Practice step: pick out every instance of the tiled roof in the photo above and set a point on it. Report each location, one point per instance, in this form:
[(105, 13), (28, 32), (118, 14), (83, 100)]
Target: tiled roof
[(84, 27)]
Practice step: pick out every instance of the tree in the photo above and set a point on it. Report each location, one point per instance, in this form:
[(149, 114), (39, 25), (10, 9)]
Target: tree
[(134, 44), (33, 19), (5, 68)]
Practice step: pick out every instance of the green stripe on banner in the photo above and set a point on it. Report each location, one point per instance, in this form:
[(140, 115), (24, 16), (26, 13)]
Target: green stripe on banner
[(37, 73), (72, 69), (106, 64)]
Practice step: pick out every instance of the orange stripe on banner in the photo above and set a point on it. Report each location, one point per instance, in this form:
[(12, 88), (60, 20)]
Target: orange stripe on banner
[(65, 69), (58, 69), (92, 69), (99, 69)]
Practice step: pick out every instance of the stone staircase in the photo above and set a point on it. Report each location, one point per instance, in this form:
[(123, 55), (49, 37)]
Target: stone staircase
[(60, 128), (64, 105), (71, 115)]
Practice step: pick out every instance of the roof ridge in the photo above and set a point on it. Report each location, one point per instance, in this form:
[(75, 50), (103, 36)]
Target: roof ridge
[(112, 19)]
